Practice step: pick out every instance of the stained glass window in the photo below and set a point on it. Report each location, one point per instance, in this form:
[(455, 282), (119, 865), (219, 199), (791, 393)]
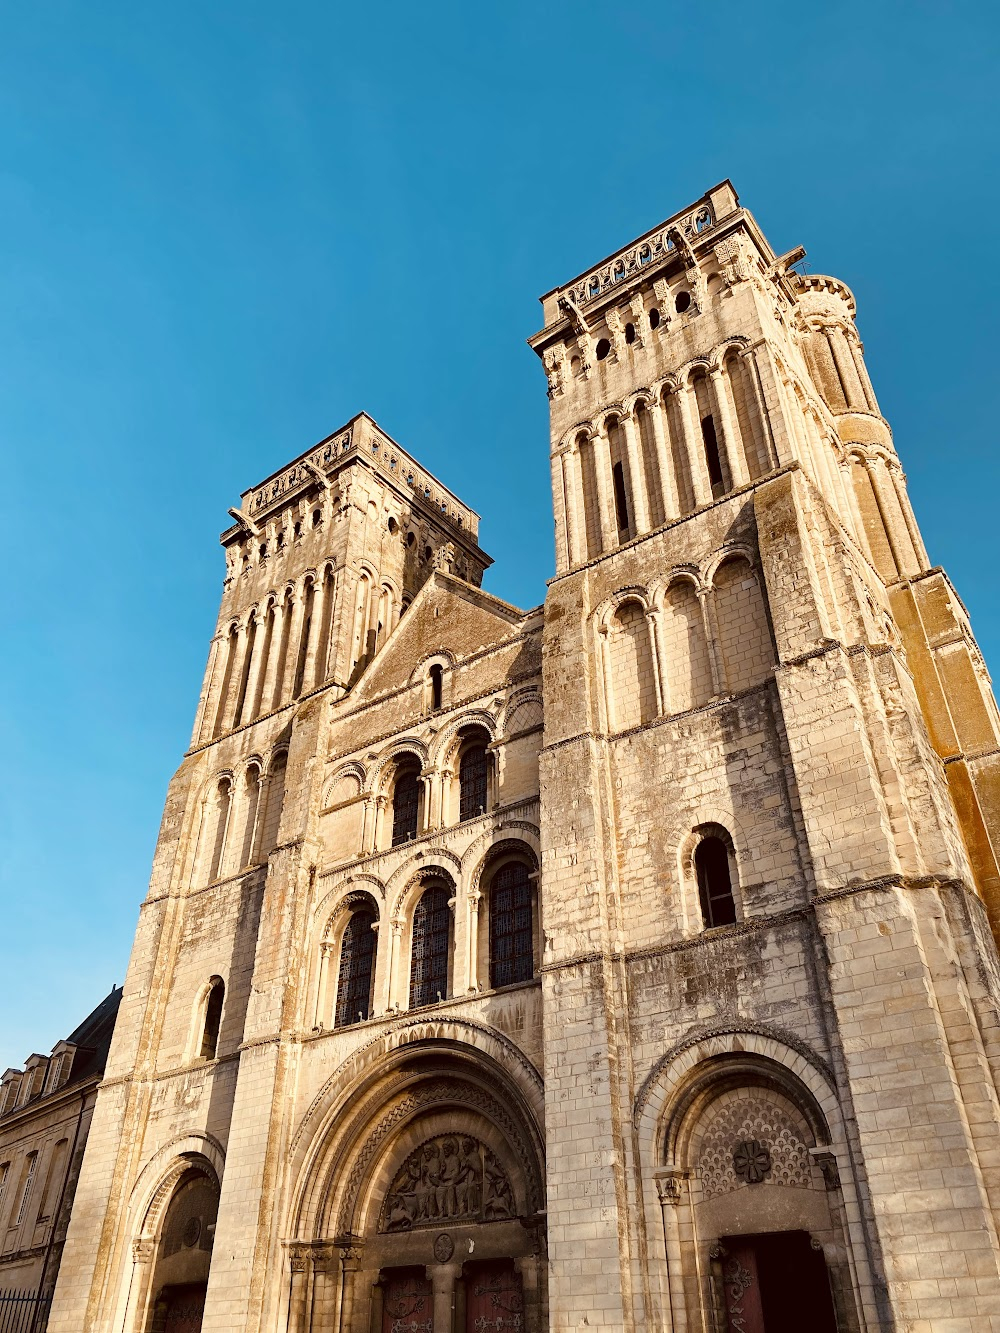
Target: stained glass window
[(511, 953)]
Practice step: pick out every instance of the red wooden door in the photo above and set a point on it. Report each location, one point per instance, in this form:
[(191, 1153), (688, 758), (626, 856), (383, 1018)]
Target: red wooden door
[(741, 1287), (494, 1301), (185, 1308), (407, 1302)]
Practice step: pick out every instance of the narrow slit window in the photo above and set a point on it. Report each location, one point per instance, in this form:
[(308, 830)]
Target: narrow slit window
[(621, 503), (437, 683), (715, 886), (213, 1019), (712, 457)]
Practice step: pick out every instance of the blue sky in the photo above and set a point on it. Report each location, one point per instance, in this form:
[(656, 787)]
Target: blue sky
[(226, 228)]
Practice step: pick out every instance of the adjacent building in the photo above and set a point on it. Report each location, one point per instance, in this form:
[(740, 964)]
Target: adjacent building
[(45, 1114), (622, 963)]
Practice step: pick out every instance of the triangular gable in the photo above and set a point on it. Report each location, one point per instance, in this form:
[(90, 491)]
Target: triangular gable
[(447, 615)]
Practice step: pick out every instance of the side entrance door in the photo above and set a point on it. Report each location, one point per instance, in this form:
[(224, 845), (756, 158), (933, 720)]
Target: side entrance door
[(776, 1283)]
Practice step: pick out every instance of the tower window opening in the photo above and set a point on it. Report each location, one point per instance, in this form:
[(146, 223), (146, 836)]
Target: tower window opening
[(405, 806), (392, 525), (682, 301), (715, 886), (712, 457), (427, 552), (411, 537), (357, 962), (297, 531), (654, 318), (213, 1019), (430, 948), (280, 539), (436, 674), (621, 504), (602, 349), (630, 333), (317, 517)]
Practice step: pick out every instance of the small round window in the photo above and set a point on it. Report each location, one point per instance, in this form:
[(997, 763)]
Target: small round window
[(630, 333), (602, 349), (682, 301), (654, 318)]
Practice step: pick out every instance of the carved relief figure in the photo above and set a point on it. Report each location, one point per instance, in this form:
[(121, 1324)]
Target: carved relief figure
[(448, 1179)]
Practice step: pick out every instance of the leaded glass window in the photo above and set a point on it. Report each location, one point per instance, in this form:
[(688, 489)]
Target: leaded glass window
[(473, 780), (511, 951), (429, 953), (357, 959), (405, 806)]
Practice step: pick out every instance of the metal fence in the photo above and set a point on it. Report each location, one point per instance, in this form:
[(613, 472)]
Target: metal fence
[(23, 1311)]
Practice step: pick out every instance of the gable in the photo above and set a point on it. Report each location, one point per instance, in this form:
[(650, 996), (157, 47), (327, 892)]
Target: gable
[(447, 616)]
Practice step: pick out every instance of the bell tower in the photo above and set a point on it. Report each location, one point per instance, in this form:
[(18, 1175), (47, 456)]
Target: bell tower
[(770, 744)]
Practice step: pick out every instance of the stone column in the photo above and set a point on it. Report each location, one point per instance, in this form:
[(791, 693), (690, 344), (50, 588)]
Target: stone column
[(381, 802), (729, 436), (669, 1184), (442, 1278), (367, 826), (474, 899), (298, 1292), (653, 616), (235, 676), (749, 356), (322, 998), (350, 1261), (847, 370), (560, 506), (857, 354), (605, 491), (640, 503), (324, 1286), (271, 693), (210, 694), (706, 596), (576, 517), (668, 479), (898, 481), (258, 665), (294, 642), (694, 447), (397, 923), (309, 675)]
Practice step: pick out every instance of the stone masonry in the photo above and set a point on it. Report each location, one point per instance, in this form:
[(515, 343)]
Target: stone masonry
[(623, 963)]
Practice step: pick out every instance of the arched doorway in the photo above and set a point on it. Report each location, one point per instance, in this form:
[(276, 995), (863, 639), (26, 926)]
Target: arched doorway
[(753, 1215), (183, 1255), (429, 1204)]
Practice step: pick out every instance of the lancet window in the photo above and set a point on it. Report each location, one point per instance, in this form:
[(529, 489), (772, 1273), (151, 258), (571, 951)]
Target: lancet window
[(511, 928), (431, 947), (357, 965)]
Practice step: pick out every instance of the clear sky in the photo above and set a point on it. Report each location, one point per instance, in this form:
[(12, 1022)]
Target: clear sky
[(225, 228)]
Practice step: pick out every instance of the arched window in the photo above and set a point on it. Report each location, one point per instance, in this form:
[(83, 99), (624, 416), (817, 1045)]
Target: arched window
[(715, 885), (357, 964), (252, 800), (436, 675), (511, 933), (621, 503), (430, 947), (213, 1019), (220, 813), (405, 804), (473, 778), (270, 819)]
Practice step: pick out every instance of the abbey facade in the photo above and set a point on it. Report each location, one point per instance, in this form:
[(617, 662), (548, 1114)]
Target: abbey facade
[(625, 963)]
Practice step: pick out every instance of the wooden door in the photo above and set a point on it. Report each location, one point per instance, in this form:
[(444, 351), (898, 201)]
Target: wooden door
[(741, 1287), (185, 1308), (494, 1301), (407, 1302)]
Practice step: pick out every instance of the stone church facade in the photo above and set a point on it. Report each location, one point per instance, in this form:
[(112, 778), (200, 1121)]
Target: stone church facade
[(623, 963)]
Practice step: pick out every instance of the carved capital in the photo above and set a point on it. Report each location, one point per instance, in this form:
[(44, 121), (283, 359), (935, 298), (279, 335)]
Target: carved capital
[(143, 1249)]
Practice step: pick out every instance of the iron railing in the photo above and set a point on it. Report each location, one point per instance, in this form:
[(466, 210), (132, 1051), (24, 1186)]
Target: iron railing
[(23, 1311)]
